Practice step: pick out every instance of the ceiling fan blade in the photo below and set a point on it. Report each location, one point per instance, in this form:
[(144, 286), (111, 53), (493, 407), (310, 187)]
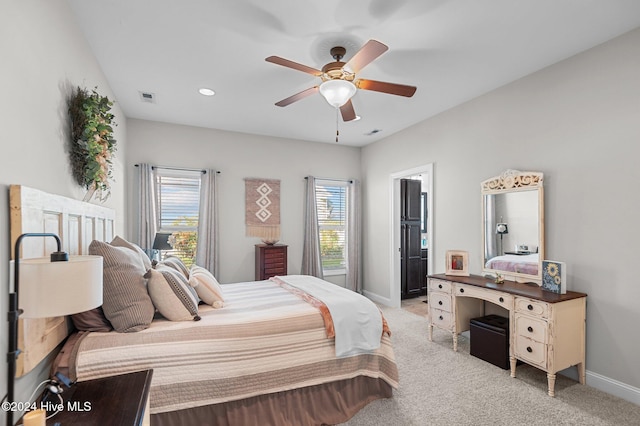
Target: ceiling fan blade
[(294, 65), (347, 111), (381, 86), (301, 95), (363, 57)]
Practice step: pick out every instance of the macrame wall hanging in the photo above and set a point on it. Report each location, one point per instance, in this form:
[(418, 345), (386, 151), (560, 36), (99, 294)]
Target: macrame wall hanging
[(262, 211)]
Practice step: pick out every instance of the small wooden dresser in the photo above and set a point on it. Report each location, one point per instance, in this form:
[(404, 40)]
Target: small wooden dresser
[(271, 260)]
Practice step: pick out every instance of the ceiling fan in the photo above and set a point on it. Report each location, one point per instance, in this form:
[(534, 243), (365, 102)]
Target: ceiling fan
[(339, 81)]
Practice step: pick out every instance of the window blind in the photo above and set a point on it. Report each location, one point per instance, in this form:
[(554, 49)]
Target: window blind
[(178, 208), (331, 203)]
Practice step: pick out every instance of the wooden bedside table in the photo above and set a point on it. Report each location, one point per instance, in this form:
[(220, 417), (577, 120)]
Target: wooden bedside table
[(117, 400)]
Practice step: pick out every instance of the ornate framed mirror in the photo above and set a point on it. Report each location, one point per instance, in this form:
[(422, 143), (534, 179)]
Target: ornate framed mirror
[(513, 225)]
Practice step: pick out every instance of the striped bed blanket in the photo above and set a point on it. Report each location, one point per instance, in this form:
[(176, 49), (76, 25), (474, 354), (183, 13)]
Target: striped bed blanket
[(266, 339)]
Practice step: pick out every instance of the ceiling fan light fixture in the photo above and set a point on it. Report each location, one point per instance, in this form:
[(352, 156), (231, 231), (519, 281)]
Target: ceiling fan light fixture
[(337, 92), (206, 91)]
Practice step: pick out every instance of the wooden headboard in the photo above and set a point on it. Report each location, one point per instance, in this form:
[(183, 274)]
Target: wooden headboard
[(77, 224)]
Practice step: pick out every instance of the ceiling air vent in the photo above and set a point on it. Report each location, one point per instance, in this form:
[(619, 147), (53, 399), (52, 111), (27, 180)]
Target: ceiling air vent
[(373, 132), (148, 97)]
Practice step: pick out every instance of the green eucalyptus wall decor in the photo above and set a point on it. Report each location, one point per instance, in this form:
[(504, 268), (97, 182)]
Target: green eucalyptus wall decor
[(92, 144)]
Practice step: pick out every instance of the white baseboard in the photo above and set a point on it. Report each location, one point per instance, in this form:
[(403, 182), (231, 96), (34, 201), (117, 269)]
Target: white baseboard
[(606, 384), (613, 387), (377, 299)]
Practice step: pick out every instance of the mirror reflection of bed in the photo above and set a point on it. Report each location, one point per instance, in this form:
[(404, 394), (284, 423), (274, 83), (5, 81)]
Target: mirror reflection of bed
[(513, 242)]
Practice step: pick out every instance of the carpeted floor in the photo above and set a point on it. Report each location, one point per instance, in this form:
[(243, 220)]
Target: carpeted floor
[(442, 387)]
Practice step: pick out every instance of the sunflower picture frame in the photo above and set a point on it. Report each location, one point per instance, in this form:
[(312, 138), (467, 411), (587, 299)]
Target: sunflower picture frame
[(554, 276)]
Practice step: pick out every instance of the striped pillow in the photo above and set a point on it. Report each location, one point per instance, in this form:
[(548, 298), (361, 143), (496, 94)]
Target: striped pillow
[(121, 242), (171, 294), (126, 303), (175, 263)]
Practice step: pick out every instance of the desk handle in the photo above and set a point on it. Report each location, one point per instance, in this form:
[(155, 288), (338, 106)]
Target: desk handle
[(462, 290), (501, 299), (439, 285), (530, 307), (529, 349), (440, 302), (440, 318), (530, 329)]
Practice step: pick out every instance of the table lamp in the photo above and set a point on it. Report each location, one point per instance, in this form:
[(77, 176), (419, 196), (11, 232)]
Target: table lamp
[(502, 229), (161, 242), (49, 287)]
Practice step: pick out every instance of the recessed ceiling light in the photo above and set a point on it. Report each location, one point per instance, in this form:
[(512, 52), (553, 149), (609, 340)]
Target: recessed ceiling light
[(206, 92)]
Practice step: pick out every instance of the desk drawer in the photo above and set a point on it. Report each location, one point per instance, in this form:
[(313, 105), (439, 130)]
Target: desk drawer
[(532, 307), (439, 285), (441, 319), (533, 328), (440, 301), (499, 298), (531, 351)]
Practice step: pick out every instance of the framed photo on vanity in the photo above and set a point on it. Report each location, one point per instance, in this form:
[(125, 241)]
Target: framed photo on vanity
[(457, 263)]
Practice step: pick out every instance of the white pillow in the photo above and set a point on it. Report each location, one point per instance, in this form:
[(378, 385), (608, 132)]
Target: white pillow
[(171, 294), (206, 285)]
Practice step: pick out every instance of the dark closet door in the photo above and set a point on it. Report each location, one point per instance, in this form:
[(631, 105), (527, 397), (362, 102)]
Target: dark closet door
[(410, 259), (413, 260), (413, 205)]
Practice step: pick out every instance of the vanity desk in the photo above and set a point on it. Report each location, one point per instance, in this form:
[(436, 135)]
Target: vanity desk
[(546, 330)]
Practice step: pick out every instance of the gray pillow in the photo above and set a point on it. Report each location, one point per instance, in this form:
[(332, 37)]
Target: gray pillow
[(121, 242), (126, 303)]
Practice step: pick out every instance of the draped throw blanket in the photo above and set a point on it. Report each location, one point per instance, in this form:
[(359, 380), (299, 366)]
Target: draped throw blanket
[(357, 320), (262, 211)]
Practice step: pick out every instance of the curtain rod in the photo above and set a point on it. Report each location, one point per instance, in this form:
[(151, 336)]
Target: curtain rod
[(335, 180), (179, 168)]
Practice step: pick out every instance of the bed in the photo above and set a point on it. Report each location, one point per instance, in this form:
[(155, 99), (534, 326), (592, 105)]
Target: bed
[(520, 263), (266, 357)]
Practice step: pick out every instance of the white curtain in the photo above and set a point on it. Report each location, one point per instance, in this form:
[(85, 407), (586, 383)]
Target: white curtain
[(147, 218), (207, 248), (311, 262), (354, 237)]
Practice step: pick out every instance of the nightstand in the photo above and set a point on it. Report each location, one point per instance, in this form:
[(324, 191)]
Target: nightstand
[(116, 400)]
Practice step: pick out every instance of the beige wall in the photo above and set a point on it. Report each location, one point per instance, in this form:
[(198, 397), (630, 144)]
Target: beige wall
[(578, 122), (44, 56), (240, 156)]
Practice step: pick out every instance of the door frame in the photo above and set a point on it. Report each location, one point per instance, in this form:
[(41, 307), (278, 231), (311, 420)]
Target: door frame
[(394, 225)]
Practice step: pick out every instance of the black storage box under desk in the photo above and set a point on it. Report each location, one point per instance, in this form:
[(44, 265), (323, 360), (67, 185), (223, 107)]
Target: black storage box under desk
[(489, 337)]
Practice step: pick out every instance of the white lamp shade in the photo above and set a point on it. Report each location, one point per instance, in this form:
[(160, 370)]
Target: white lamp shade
[(337, 92), (51, 289)]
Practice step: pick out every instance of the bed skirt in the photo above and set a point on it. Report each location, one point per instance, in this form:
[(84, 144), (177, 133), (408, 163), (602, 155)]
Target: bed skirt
[(330, 403)]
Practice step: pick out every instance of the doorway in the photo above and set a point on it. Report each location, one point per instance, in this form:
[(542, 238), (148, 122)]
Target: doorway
[(425, 173)]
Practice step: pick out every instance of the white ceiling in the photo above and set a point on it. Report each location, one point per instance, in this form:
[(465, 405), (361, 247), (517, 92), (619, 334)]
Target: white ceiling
[(452, 50)]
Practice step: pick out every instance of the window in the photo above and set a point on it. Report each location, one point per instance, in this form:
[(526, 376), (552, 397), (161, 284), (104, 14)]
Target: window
[(331, 203), (178, 198)]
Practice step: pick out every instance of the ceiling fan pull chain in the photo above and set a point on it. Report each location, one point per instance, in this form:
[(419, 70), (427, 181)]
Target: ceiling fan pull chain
[(337, 132)]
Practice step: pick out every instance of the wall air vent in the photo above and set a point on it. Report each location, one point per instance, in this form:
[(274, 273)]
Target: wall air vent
[(148, 97)]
